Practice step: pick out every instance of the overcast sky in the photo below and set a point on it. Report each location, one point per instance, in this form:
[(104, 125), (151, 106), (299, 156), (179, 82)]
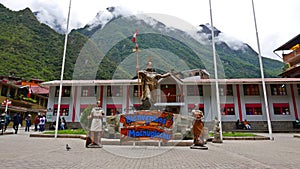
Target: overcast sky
[(278, 20)]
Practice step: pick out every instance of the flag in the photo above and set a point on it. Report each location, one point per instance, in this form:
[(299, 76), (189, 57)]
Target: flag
[(8, 102), (29, 92), (134, 36)]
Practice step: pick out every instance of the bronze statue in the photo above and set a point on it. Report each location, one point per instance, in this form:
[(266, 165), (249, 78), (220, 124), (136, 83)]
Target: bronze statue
[(198, 126), (149, 81)]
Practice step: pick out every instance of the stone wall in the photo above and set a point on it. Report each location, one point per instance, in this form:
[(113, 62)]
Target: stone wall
[(262, 126)]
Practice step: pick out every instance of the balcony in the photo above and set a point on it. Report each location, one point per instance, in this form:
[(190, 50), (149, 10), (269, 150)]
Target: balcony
[(292, 58)]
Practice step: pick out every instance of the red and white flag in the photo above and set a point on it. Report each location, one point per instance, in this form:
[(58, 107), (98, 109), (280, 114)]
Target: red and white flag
[(29, 92), (134, 38), (8, 102)]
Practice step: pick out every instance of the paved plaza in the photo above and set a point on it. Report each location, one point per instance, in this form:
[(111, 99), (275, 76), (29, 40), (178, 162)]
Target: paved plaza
[(21, 151)]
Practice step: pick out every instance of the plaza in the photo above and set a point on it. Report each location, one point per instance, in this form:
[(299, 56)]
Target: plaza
[(21, 151)]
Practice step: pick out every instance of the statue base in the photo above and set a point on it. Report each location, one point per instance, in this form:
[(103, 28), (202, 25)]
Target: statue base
[(217, 138), (199, 147), (94, 146)]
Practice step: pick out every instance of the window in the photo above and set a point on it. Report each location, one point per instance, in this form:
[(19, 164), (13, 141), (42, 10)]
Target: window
[(88, 91), (66, 91), (12, 92), (225, 90), (251, 90), (253, 109), (281, 108), (195, 90), (82, 108), (4, 90), (135, 91), (278, 89), (191, 107), (227, 109), (114, 91), (113, 109), (64, 110)]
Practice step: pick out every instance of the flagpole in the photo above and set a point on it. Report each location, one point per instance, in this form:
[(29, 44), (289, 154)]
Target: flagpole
[(216, 70), (262, 76), (137, 61), (62, 72)]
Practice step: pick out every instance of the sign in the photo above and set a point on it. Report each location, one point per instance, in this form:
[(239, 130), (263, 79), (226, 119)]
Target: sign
[(145, 125)]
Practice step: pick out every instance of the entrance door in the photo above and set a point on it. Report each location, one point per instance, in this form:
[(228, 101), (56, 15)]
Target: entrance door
[(168, 93)]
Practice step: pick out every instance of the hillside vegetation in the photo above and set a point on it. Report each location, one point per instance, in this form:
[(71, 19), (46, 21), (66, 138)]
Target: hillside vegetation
[(34, 50)]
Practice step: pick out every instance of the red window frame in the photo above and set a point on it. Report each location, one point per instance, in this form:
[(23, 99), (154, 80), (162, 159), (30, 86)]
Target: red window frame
[(251, 89), (254, 107), (112, 109), (227, 109), (64, 110), (281, 108), (278, 89), (66, 91)]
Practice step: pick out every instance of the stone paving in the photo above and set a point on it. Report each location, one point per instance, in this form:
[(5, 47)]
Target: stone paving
[(21, 151)]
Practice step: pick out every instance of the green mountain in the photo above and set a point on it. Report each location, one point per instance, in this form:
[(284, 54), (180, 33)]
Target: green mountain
[(34, 50)]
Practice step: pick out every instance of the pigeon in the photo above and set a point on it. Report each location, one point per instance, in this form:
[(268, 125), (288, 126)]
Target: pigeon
[(68, 147)]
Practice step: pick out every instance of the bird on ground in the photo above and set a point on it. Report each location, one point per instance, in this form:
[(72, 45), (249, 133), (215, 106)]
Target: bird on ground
[(68, 147)]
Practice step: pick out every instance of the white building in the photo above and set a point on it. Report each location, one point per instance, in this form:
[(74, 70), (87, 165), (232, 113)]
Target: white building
[(240, 98)]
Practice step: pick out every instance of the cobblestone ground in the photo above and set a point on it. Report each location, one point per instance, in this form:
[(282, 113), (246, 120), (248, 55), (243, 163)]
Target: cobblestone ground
[(21, 151)]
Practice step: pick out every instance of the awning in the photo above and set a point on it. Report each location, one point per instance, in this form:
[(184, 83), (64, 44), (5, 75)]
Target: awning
[(291, 43), (114, 106), (61, 106)]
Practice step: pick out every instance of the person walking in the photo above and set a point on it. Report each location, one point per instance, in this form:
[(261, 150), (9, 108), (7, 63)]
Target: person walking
[(16, 121), (28, 123), (63, 123), (36, 122), (7, 121), (42, 123)]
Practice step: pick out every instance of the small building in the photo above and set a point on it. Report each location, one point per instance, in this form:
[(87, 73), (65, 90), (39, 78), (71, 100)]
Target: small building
[(290, 52), (26, 97)]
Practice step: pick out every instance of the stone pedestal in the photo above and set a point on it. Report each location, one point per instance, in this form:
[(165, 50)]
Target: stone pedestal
[(199, 147), (94, 146), (217, 138)]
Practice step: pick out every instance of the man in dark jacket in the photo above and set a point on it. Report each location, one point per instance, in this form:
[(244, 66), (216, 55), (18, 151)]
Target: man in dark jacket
[(7, 120), (16, 121)]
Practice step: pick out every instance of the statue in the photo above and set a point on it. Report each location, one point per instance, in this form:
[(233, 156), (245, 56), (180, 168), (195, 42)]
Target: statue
[(96, 128), (198, 126), (149, 79), (217, 135)]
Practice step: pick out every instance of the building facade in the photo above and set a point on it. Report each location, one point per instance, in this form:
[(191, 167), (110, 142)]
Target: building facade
[(239, 99)]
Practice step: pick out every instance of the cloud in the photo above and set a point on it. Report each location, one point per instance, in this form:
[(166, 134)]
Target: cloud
[(103, 17), (232, 42)]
